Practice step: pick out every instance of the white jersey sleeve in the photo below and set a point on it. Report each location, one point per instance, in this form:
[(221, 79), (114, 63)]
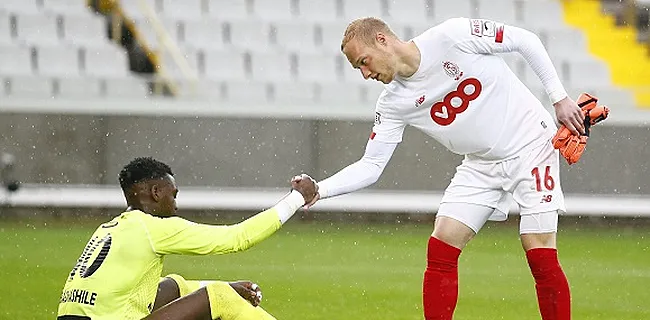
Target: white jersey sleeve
[(387, 128), (360, 174), (481, 36), (385, 136)]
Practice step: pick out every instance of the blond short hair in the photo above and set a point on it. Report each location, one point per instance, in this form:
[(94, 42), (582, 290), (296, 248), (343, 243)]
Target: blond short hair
[(365, 29)]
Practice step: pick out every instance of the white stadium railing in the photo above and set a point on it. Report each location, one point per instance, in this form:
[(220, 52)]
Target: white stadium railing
[(245, 199)]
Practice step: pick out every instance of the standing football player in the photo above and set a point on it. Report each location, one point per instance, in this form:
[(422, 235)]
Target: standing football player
[(118, 274), (449, 83)]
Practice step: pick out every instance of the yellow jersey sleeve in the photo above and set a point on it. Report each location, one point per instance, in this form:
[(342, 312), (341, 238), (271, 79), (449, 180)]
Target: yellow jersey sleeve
[(176, 235)]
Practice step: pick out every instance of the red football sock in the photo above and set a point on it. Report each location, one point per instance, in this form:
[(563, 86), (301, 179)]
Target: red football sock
[(440, 285), (553, 293)]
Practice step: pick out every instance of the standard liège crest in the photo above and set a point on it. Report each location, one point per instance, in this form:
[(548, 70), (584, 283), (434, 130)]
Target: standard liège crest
[(452, 70)]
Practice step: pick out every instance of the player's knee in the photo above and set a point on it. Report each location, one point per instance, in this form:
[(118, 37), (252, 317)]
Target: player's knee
[(452, 232), (538, 240)]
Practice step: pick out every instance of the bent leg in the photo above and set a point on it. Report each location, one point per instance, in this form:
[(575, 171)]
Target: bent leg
[(539, 240), (218, 300), (195, 306), (168, 291), (456, 224), (174, 286)]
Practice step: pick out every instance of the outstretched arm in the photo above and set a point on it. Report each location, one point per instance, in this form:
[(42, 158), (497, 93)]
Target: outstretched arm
[(176, 235), (360, 174)]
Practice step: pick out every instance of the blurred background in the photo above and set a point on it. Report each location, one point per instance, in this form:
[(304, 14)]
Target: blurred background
[(240, 95)]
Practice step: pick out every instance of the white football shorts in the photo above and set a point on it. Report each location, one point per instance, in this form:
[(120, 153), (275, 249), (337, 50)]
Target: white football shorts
[(532, 179)]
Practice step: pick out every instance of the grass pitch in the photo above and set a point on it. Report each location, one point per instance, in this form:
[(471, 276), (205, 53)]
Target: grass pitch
[(355, 271)]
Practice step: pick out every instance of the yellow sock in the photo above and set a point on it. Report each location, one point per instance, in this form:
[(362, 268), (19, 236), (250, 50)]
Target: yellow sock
[(226, 304), (185, 286)]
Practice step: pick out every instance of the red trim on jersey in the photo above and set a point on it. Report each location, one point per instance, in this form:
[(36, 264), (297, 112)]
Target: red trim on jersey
[(499, 35), (372, 135)]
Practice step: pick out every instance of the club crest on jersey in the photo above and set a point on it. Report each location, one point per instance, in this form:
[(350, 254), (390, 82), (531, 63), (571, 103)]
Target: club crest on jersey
[(452, 70), (419, 101)]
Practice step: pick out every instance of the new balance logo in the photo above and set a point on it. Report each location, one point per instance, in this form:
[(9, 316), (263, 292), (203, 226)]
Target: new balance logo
[(547, 198), (419, 101)]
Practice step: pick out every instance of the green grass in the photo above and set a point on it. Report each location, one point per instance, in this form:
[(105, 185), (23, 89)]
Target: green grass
[(343, 271)]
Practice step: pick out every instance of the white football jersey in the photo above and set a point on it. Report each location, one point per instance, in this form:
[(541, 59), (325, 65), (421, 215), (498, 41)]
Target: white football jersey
[(464, 96)]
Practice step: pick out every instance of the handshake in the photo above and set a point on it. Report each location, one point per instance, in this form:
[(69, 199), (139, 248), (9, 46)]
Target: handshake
[(308, 187)]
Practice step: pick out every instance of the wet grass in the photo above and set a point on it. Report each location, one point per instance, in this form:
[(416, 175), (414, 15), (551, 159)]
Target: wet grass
[(323, 270)]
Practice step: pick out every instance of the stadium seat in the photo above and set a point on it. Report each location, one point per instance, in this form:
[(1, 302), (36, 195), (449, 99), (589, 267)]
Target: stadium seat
[(82, 30), (133, 10), (39, 29), (552, 14), (273, 66), (182, 10), (225, 65), (409, 10), (205, 89), (247, 34), (20, 6), (587, 73), (353, 9), (69, 7), (317, 67), (106, 61), (33, 87), (127, 87), (498, 10), (228, 9), (206, 34), (276, 10), (564, 42), (350, 74), (339, 93), (318, 10), (246, 93), (329, 36), (295, 35), (75, 88), (15, 60), (174, 69), (443, 9), (5, 29), (59, 61), (148, 31), (293, 93)]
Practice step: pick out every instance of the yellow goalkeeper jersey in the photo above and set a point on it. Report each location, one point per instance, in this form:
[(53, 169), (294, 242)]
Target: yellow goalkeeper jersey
[(117, 275)]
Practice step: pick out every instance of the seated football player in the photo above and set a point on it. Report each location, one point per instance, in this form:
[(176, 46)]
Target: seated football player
[(118, 273)]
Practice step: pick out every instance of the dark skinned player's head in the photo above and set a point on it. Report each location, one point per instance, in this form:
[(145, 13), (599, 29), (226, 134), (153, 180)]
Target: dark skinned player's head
[(149, 185)]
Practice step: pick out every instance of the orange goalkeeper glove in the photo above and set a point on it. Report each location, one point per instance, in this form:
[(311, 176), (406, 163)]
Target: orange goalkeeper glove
[(570, 146)]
